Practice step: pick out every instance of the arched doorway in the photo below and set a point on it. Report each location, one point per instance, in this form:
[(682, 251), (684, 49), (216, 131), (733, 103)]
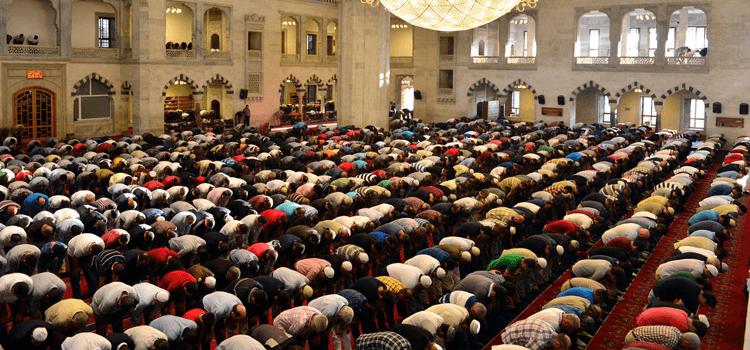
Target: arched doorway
[(407, 93), (34, 108), (216, 107)]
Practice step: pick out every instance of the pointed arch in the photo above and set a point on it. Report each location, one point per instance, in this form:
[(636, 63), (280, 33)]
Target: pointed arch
[(688, 88), (333, 80), (220, 80), (182, 78), (314, 80), (479, 83), (632, 87), (94, 77), (290, 78), (519, 82), (589, 85)]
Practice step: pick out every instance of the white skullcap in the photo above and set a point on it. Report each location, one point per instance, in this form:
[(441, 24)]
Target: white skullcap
[(560, 250), (162, 296), (542, 262), (724, 267), (575, 244), (425, 281), (704, 319), (346, 266), (732, 223), (39, 334), (713, 270), (329, 272), (210, 282), (465, 256), (512, 230), (363, 258), (440, 273), (474, 327), (474, 251)]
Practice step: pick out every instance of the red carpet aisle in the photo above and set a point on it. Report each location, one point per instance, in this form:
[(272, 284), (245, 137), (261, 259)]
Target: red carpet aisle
[(620, 321), (728, 318)]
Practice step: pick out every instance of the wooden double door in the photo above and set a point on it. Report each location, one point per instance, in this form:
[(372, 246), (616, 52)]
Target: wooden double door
[(34, 109)]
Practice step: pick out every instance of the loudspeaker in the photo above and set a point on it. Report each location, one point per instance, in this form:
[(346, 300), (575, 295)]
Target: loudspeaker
[(243, 94), (561, 100), (744, 109), (417, 94), (717, 107), (541, 99)]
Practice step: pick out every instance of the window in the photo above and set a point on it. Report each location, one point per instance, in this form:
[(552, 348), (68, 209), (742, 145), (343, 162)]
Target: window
[(652, 42), (605, 110), (697, 116), (594, 43), (331, 45), (106, 31), (633, 42), (695, 38), (446, 79), (525, 43), (670, 42), (446, 45), (312, 44), (92, 101), (648, 111), (255, 41), (481, 48), (515, 103), (312, 94), (215, 43), (283, 42)]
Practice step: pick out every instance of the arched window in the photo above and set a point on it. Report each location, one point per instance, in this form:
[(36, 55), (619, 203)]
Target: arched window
[(215, 42), (638, 37), (593, 35), (521, 37), (688, 33), (92, 101)]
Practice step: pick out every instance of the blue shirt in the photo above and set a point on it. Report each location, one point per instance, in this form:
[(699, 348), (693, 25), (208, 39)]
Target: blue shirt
[(719, 189), (582, 292), (704, 233), (705, 215)]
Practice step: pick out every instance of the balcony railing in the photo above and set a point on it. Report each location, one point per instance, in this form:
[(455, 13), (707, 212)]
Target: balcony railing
[(218, 55), (29, 50), (402, 61), (521, 60), (485, 59), (96, 52), (446, 58), (687, 61), (289, 58), (637, 60), (254, 54), (172, 53), (592, 60)]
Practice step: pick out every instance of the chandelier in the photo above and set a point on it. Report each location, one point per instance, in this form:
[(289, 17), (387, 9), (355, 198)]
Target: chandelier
[(451, 15), (174, 10)]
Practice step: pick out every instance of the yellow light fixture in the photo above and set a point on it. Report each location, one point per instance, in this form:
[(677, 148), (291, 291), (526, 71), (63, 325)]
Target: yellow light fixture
[(637, 90), (451, 15), (172, 10)]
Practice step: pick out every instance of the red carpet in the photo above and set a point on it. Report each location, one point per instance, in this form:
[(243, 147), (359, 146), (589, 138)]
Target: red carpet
[(611, 334), (728, 318)]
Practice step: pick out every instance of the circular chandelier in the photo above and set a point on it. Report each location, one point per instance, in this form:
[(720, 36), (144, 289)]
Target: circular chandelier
[(451, 15)]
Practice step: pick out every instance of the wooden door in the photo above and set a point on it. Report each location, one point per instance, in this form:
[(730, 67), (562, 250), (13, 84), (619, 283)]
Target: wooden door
[(34, 108)]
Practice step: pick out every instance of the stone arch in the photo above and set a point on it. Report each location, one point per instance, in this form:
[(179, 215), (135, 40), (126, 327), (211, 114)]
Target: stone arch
[(480, 82), (588, 85), (512, 86), (219, 79), (186, 79), (291, 78), (688, 88), (314, 80), (333, 80), (632, 87), (95, 77)]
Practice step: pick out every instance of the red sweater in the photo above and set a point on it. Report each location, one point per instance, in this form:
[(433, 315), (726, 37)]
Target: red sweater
[(564, 227), (664, 316), (160, 255), (176, 279)]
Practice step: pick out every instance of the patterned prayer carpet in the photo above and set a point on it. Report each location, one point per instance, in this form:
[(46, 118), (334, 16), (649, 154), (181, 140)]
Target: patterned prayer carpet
[(728, 317), (621, 320)]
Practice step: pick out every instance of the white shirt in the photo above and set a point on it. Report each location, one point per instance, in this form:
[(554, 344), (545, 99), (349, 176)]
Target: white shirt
[(220, 303), (329, 305), (147, 295), (553, 316), (79, 246), (240, 342), (105, 298), (6, 285), (144, 337), (86, 340), (623, 230), (293, 280), (694, 266)]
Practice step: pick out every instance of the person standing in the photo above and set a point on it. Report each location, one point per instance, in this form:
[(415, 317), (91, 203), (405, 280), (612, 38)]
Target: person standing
[(246, 116)]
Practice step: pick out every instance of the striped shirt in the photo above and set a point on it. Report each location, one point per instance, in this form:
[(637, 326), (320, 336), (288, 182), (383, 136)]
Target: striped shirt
[(382, 341), (104, 261), (665, 335), (533, 334)]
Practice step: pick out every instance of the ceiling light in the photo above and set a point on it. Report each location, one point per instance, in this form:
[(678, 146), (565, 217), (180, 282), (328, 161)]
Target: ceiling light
[(451, 15), (172, 10)]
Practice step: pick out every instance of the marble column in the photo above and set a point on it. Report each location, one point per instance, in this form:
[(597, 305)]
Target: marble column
[(364, 64)]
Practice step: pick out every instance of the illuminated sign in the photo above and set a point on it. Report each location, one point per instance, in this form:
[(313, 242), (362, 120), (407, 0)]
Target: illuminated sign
[(35, 74)]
